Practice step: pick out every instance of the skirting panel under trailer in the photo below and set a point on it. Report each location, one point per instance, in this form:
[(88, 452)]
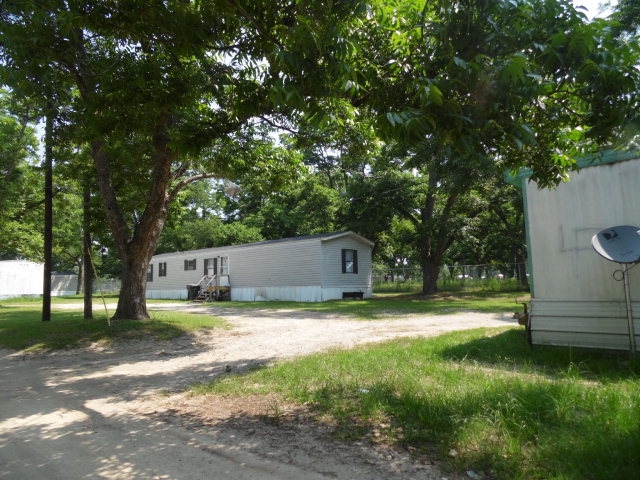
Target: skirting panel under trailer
[(296, 294), (583, 323)]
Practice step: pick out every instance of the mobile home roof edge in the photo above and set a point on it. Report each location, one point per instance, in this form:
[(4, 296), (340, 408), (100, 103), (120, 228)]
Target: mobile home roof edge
[(599, 158), (323, 237)]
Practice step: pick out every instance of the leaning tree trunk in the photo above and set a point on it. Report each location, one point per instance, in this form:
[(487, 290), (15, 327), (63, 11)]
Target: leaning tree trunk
[(80, 282), (521, 269)]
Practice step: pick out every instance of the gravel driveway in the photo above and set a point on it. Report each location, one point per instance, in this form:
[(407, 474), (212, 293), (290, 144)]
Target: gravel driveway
[(117, 412)]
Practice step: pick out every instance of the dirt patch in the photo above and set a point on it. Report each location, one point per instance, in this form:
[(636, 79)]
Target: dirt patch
[(119, 411)]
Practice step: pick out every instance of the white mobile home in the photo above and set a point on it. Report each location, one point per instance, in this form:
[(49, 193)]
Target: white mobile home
[(26, 278), (306, 269), (577, 298), (20, 278)]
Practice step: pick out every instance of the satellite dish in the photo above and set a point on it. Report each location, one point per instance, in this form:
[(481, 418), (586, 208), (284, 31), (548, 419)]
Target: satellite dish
[(619, 244)]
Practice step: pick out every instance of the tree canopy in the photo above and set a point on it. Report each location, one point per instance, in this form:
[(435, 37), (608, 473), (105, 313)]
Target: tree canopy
[(20, 193), (528, 83)]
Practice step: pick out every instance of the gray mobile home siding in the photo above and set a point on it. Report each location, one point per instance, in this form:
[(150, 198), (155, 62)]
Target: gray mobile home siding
[(332, 265), (275, 271), (300, 269)]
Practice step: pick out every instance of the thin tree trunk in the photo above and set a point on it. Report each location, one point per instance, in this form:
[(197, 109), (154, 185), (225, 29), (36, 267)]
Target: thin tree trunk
[(87, 267), (48, 213), (521, 270), (80, 283)]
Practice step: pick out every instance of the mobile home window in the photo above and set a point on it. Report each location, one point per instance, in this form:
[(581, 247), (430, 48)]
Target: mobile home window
[(150, 273), (190, 264), (349, 261), (162, 269)]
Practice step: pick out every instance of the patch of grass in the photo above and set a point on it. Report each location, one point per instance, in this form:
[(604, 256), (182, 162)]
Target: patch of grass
[(385, 305), (22, 328), (109, 298), (448, 284), (505, 409)]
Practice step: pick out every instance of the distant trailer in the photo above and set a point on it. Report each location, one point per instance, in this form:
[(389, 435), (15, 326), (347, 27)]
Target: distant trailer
[(314, 268), (20, 278)]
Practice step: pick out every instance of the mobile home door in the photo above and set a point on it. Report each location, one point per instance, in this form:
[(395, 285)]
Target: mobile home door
[(211, 266)]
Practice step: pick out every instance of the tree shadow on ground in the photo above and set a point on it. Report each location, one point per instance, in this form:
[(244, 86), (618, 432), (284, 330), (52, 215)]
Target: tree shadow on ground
[(510, 349)]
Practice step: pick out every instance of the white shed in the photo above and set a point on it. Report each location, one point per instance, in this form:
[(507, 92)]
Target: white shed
[(20, 278), (306, 269), (576, 301)]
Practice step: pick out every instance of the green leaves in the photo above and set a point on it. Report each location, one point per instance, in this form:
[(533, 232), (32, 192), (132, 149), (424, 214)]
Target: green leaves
[(515, 69), (430, 93), (20, 189)]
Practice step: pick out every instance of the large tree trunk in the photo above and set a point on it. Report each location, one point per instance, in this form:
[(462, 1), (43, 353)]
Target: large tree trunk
[(132, 301), (430, 273), (429, 240)]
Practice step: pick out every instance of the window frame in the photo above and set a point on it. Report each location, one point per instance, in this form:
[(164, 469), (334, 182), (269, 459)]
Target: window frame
[(162, 269), (350, 261)]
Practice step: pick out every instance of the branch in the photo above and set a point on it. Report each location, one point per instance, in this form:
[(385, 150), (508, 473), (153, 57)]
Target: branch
[(405, 212), (114, 214), (183, 183), (181, 170), (275, 125)]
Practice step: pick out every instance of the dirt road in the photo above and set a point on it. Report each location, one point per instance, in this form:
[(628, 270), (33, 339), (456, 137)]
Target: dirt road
[(117, 412)]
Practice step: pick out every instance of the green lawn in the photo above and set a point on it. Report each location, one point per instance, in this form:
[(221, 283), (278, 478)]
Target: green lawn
[(483, 399), (385, 305), (22, 328)]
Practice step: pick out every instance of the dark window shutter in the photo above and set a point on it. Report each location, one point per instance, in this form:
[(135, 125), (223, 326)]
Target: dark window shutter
[(344, 261), (355, 261)]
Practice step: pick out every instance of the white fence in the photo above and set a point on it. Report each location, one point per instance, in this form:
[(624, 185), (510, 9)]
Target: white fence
[(20, 278)]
